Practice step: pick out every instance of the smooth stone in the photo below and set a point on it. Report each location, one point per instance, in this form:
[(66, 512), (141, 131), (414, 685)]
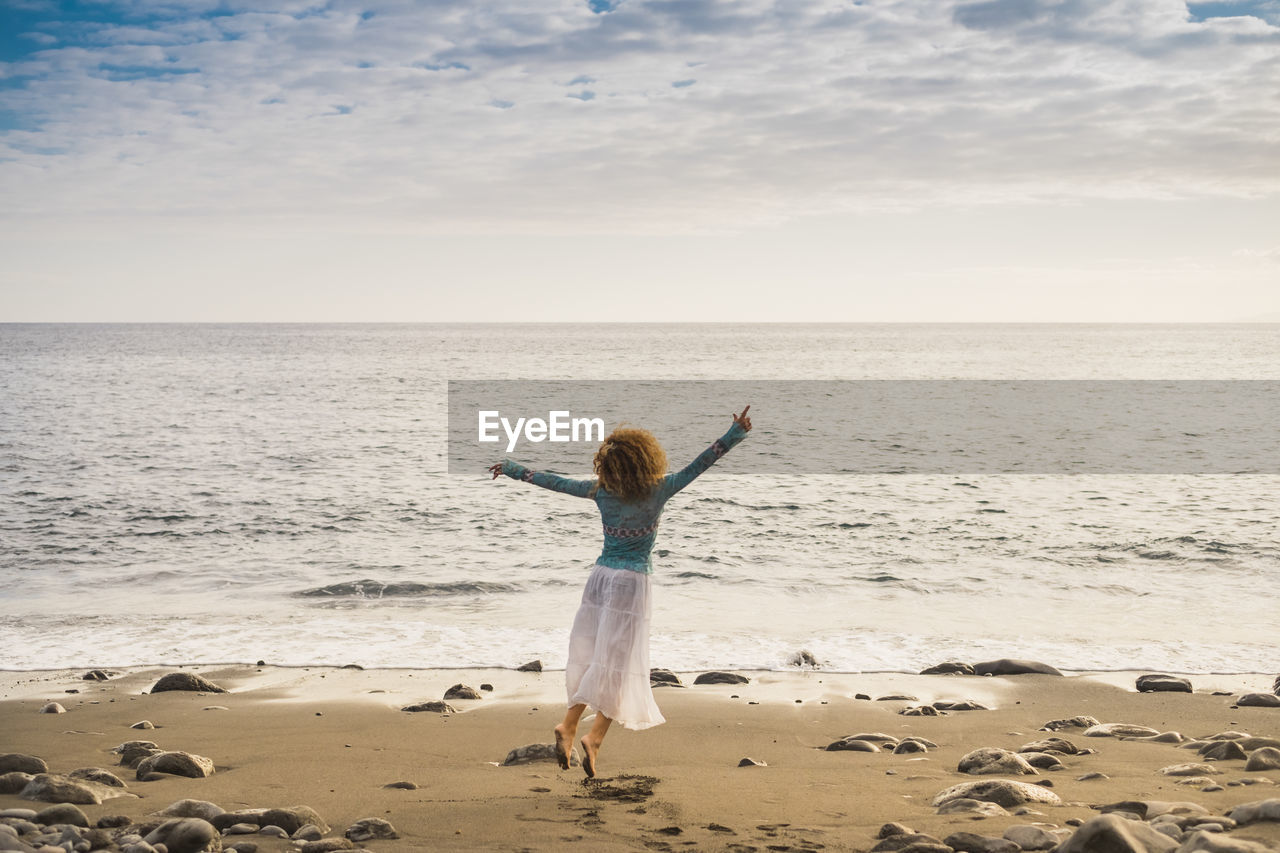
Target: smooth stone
[(894, 828), (720, 678), (1266, 758), (96, 675), (202, 809), (969, 842), (53, 708), (1224, 750), (1081, 722), (1093, 777), (1115, 834), (751, 762), (991, 760), (176, 764), (485, 687), (114, 821), (462, 691), (273, 831), (184, 835), (1190, 770), (292, 819), (435, 706), (133, 751), (97, 774), (14, 781), (897, 697), (18, 762), (310, 832), (61, 813), (326, 845), (1029, 837), (51, 788), (1249, 744), (964, 705), (1151, 809), (951, 667), (401, 785), (185, 681), (1210, 842), (17, 814), (921, 711), (1254, 812), (1119, 730), (243, 847), (1161, 683), (536, 752), (241, 829), (1194, 780), (369, 828), (1259, 700), (1044, 760), (664, 676), (531, 666), (852, 745), (918, 841), (977, 808), (1002, 792), (143, 724), (909, 746), (1010, 666)]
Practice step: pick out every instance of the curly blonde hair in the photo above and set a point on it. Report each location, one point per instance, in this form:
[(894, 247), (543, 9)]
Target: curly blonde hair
[(629, 463)]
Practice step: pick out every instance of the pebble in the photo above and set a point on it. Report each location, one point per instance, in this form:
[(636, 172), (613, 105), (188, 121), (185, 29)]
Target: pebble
[(1163, 684), (531, 666), (719, 678)]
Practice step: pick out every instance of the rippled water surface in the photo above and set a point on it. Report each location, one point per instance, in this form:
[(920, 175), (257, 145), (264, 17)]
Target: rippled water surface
[(208, 493)]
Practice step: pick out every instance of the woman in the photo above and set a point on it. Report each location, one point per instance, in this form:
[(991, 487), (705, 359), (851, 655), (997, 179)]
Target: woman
[(608, 665)]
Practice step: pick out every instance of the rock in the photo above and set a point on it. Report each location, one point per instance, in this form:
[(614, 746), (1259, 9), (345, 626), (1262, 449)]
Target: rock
[(536, 752), (370, 828), (977, 808), (897, 697), (114, 821), (1259, 700), (462, 691), (921, 711), (61, 813), (1029, 837), (50, 788), (143, 724), (226, 819), (193, 808), (326, 845), (401, 785), (1059, 745), (1007, 666), (1223, 750), (803, 658), (916, 840), (176, 764), (96, 675), (53, 708), (1114, 834), (751, 762), (14, 781), (720, 678), (1093, 777), (241, 829), (1081, 722), (1002, 792), (1212, 842), (1246, 813), (852, 745), (1189, 770), (965, 705), (993, 760), (185, 835), (1249, 744), (1160, 683), (968, 842), (133, 751), (1119, 730), (1266, 758), (95, 774), (1163, 737), (292, 819), (889, 829), (664, 677), (434, 706), (310, 832), (185, 681), (18, 762), (875, 737), (1043, 760), (243, 847), (909, 746), (486, 687), (531, 666), (951, 667)]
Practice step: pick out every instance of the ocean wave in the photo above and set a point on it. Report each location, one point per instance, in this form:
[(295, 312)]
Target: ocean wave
[(368, 588)]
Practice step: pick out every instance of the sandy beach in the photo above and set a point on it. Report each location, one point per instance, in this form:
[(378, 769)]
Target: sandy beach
[(334, 739)]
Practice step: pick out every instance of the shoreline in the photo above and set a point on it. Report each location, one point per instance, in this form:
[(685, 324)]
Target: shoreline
[(332, 739)]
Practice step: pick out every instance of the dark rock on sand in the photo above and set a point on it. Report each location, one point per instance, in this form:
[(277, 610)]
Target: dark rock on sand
[(852, 744), (993, 760), (909, 746), (873, 737), (1081, 722), (531, 666), (134, 751), (1008, 666), (61, 813), (95, 774), (53, 708), (185, 681), (897, 697), (1249, 744), (1266, 758), (751, 762), (185, 835), (176, 764), (1160, 683), (1189, 770), (719, 678), (96, 675), (1002, 792), (1119, 730), (921, 711), (536, 752), (663, 677), (1051, 744), (1029, 837), (202, 809), (143, 724), (114, 821), (326, 845), (1213, 842), (889, 829), (968, 842), (462, 691), (1259, 700), (964, 705), (1223, 750), (292, 819), (51, 788), (1044, 760), (370, 828), (486, 687), (951, 667), (14, 781), (435, 706), (1246, 813), (977, 808), (403, 785), (21, 763), (1114, 834), (916, 840)]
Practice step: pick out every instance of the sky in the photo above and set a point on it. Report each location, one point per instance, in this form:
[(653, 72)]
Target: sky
[(640, 160)]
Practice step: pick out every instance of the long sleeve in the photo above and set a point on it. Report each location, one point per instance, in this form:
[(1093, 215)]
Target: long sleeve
[(673, 483), (554, 482)]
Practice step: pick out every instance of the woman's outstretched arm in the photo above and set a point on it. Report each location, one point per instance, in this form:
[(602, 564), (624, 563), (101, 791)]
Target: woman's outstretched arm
[(673, 483), (554, 482)]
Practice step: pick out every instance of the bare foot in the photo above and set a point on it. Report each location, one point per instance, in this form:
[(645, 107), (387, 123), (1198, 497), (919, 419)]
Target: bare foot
[(589, 758), (564, 745)]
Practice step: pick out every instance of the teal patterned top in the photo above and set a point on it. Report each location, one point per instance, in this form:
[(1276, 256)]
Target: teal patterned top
[(630, 528)]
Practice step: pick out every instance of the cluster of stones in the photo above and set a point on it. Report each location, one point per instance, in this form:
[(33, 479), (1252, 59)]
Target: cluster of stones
[(880, 742)]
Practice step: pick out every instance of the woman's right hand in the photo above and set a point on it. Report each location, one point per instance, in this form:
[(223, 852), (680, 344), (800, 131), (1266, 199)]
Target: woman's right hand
[(743, 419), (496, 470)]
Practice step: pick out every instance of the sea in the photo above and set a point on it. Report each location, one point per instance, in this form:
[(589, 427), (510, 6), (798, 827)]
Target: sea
[(206, 493)]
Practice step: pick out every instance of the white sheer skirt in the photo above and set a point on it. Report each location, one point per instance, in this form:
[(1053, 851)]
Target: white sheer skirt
[(608, 665)]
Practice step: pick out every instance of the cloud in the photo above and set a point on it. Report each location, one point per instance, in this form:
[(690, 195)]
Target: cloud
[(224, 112)]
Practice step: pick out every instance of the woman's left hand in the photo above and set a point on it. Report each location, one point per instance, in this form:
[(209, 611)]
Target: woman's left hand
[(496, 470)]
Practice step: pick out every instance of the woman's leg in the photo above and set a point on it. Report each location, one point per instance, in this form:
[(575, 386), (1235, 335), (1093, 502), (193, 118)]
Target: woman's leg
[(566, 732), (591, 743)]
